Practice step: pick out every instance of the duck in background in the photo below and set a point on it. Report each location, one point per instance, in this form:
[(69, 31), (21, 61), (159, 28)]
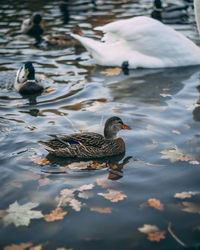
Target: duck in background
[(170, 15), (31, 26), (26, 84), (89, 145)]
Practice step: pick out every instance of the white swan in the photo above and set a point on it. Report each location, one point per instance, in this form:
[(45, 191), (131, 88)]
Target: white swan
[(143, 42)]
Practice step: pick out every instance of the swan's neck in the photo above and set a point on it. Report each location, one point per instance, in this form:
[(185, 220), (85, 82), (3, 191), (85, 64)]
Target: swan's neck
[(197, 13)]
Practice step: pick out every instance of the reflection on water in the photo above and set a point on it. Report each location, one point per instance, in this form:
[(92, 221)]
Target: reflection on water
[(162, 151)]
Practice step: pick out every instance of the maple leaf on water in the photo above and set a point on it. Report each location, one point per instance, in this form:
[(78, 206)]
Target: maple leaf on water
[(102, 210), (154, 203), (184, 195), (153, 232), (22, 246), (113, 195), (57, 214), (75, 204), (191, 207), (20, 215), (111, 71), (175, 154)]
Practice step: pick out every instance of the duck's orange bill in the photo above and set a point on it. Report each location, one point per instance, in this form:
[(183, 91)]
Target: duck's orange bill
[(79, 32), (126, 127)]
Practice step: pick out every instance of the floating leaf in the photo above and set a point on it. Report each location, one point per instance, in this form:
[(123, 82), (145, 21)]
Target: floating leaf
[(184, 195), (175, 154), (85, 187), (75, 204), (176, 132), (22, 246), (191, 207), (20, 215), (66, 195), (45, 181), (155, 204), (113, 195), (165, 95), (56, 214), (111, 71), (38, 247), (156, 236), (153, 232), (102, 210), (39, 161)]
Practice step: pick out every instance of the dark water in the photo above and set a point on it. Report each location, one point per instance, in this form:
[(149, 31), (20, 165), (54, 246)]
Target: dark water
[(161, 105)]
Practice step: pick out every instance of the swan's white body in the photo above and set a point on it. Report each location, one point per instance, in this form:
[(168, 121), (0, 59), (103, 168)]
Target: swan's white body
[(143, 42)]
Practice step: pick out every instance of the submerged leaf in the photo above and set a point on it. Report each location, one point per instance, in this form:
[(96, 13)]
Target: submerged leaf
[(191, 207), (153, 232), (184, 195), (111, 71), (156, 236), (75, 204), (113, 195), (56, 214), (147, 228), (155, 204), (102, 210), (20, 215), (21, 246)]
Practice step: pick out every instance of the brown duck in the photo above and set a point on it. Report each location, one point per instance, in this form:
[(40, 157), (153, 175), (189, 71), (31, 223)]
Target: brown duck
[(89, 145)]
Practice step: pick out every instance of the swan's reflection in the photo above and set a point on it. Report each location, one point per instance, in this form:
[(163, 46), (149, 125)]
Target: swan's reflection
[(113, 164)]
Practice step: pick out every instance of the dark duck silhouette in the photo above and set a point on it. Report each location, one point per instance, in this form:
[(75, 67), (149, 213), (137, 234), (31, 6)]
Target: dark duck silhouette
[(89, 145), (171, 14), (31, 26), (25, 82)]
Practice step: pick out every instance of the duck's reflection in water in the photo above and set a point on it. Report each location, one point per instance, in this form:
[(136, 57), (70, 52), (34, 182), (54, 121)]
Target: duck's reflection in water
[(113, 164)]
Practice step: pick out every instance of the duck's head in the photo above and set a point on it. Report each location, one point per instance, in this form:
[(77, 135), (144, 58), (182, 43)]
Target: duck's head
[(112, 126), (36, 18), (158, 4), (25, 82)]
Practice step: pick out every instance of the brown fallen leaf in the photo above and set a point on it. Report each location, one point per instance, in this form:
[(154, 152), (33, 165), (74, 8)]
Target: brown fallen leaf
[(103, 182), (56, 214), (185, 195), (45, 181), (165, 95), (191, 207), (156, 236), (154, 203), (38, 247), (111, 71), (176, 132), (39, 161), (105, 210), (153, 232), (22, 246), (113, 195)]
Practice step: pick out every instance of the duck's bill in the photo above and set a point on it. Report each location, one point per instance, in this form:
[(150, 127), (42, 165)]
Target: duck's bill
[(126, 127)]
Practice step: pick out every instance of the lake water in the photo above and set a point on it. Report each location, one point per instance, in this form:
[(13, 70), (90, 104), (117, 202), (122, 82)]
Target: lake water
[(103, 205)]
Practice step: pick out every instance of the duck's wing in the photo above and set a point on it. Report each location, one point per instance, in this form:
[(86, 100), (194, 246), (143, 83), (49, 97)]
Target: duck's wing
[(86, 139)]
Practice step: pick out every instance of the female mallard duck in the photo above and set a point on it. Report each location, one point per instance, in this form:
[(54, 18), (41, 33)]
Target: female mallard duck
[(144, 43), (89, 145), (31, 26), (25, 82), (172, 14)]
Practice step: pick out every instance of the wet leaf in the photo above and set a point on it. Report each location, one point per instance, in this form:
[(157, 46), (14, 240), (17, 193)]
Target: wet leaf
[(38, 247), (165, 95), (113, 195), (102, 182), (154, 203), (112, 71), (20, 215), (102, 210), (176, 132), (39, 161), (175, 154), (153, 232), (185, 195), (191, 207), (45, 181), (75, 204), (156, 236), (21, 246), (56, 214), (85, 187), (66, 195)]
